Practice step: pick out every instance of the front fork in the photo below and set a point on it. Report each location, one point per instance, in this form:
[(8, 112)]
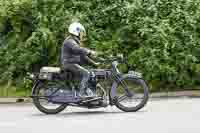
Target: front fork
[(123, 83), (113, 92)]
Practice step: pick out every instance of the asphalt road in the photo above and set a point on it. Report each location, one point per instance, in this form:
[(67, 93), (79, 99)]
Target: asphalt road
[(159, 116)]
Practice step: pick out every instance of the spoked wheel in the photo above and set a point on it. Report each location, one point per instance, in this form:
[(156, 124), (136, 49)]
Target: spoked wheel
[(41, 99), (132, 94)]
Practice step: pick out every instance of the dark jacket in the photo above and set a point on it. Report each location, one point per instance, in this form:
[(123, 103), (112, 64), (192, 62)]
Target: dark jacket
[(71, 52)]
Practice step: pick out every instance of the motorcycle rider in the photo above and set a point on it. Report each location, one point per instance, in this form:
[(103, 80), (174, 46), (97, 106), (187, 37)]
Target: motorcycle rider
[(73, 55)]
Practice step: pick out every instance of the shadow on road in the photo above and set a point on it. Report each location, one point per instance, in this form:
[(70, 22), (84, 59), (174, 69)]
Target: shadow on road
[(87, 113)]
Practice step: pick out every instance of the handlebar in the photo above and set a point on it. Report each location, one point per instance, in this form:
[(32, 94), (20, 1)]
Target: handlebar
[(115, 60), (112, 59), (103, 59)]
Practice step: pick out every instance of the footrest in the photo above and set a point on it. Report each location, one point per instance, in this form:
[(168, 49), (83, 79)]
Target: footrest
[(92, 99)]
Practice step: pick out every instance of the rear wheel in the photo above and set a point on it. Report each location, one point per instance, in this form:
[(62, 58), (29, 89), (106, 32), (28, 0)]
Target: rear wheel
[(41, 101), (134, 97)]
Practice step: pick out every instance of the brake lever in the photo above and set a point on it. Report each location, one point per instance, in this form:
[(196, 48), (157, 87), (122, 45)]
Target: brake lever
[(101, 59)]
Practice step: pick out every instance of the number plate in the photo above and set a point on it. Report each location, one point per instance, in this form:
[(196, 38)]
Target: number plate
[(135, 74)]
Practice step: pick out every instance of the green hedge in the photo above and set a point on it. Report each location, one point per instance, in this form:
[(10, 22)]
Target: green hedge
[(160, 37)]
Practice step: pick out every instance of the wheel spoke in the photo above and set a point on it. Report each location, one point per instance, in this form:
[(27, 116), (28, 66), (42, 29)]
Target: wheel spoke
[(121, 98)]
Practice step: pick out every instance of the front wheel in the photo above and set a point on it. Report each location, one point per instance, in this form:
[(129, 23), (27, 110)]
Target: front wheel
[(131, 94)]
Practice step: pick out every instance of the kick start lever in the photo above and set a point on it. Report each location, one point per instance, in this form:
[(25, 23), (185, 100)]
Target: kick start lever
[(92, 100)]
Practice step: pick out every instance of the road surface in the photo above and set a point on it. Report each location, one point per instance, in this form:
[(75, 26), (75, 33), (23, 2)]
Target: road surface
[(159, 116)]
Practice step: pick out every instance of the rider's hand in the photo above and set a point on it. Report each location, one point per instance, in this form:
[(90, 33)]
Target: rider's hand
[(93, 53), (97, 64)]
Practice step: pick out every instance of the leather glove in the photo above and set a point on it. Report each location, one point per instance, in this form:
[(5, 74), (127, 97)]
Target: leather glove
[(93, 53), (97, 64)]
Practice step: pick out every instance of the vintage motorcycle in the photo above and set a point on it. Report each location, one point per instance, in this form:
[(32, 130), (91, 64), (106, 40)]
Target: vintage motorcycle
[(54, 89)]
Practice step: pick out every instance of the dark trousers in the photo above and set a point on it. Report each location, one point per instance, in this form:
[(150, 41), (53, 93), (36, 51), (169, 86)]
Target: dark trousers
[(79, 70)]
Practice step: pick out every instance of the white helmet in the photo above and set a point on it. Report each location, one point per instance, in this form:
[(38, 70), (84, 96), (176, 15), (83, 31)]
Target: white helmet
[(76, 29)]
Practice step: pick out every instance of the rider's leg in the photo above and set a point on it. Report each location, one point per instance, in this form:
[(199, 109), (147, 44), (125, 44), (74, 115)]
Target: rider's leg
[(85, 75)]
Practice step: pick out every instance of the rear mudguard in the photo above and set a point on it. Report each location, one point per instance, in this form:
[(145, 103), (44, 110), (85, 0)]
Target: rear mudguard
[(113, 92), (35, 85)]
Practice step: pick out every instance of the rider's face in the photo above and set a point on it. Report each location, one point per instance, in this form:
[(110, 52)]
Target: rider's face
[(83, 37)]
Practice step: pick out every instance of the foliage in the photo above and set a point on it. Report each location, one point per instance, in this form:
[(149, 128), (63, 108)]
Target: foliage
[(160, 37)]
